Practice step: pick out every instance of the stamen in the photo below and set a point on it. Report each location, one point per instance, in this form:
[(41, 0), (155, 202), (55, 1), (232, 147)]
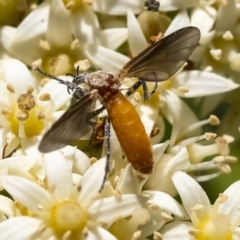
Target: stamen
[(183, 89), (153, 206), (216, 53), (136, 235), (75, 44), (210, 136), (166, 217), (225, 169), (228, 36), (44, 45), (6, 112), (193, 232), (157, 236), (70, 5), (22, 116), (214, 120), (84, 65), (10, 88), (45, 97)]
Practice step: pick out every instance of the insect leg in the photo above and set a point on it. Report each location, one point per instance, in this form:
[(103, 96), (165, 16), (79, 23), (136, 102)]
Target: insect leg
[(146, 94), (134, 87), (91, 115), (107, 136)]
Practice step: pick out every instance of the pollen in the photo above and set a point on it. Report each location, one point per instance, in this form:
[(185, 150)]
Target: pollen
[(27, 112), (68, 217), (26, 102)]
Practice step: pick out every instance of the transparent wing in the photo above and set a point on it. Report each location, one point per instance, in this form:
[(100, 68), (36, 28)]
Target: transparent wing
[(72, 125), (161, 60)]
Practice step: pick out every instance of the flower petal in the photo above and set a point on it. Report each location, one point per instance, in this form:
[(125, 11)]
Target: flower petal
[(191, 194), (136, 39), (177, 230), (128, 182), (12, 77), (58, 25), (231, 206), (27, 193), (109, 209), (202, 83), (117, 8), (21, 228), (57, 169), (105, 58), (114, 37), (180, 21), (98, 233), (91, 182), (166, 203)]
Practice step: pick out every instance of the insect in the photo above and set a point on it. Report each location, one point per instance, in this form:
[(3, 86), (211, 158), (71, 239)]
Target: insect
[(156, 63)]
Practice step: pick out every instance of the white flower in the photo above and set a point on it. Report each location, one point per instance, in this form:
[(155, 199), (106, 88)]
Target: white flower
[(26, 111), (219, 221), (64, 210), (46, 37)]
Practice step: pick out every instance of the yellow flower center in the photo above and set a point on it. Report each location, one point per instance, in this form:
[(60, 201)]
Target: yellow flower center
[(215, 228), (77, 4), (68, 218), (28, 113), (58, 63)]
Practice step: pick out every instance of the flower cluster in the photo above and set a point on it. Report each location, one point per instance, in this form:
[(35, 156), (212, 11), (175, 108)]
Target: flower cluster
[(63, 194)]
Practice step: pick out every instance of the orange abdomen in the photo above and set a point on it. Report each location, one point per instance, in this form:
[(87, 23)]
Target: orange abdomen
[(130, 132)]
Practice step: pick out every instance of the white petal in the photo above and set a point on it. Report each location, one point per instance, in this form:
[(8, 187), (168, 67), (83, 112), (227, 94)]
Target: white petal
[(58, 174), (201, 83), (25, 44), (177, 230), (227, 16), (12, 77), (23, 162), (208, 14), (191, 194), (81, 161), (59, 29), (58, 93), (159, 149), (148, 115), (6, 35), (171, 5), (7, 206), (106, 59), (98, 233), (85, 26), (180, 21), (231, 206), (166, 203), (109, 209), (117, 8), (128, 182), (27, 193), (136, 39), (114, 37), (20, 228), (91, 182)]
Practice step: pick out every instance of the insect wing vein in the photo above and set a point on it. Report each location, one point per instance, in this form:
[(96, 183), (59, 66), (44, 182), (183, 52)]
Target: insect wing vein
[(161, 60), (72, 125)]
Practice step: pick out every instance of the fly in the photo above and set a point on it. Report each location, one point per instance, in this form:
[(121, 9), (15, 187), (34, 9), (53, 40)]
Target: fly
[(156, 63)]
